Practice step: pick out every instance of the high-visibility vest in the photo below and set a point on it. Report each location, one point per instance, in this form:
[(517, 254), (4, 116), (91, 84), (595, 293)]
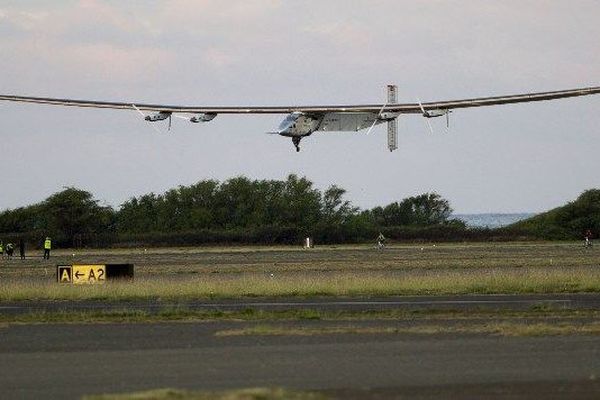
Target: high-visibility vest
[(47, 244), (1, 248)]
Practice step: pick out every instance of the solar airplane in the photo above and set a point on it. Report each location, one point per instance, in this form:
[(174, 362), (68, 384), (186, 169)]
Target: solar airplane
[(303, 121)]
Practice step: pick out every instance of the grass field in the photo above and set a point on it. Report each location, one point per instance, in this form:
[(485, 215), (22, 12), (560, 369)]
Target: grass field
[(190, 273), (243, 394), (506, 328)]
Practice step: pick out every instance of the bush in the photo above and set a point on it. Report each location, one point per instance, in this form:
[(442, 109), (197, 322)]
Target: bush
[(568, 222)]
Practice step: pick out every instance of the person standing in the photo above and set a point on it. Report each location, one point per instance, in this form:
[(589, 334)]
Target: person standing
[(588, 238), (22, 248), (10, 248), (380, 241), (1, 249), (47, 247)]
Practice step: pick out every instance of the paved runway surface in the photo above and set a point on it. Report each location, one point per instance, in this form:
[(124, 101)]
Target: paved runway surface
[(68, 361), (465, 302)]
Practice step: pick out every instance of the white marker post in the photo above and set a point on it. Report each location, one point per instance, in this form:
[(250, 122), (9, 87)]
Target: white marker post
[(308, 243)]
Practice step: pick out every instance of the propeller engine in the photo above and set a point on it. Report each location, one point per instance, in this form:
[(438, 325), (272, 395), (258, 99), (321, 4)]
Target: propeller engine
[(434, 114), (162, 115), (159, 116), (204, 117)]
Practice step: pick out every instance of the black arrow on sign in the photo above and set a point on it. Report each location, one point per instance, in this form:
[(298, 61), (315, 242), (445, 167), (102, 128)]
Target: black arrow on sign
[(78, 274)]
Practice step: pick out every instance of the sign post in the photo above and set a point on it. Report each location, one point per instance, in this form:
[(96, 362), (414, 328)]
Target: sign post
[(90, 274), (64, 274)]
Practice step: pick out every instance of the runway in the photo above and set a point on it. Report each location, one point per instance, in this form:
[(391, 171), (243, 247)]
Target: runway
[(460, 302), (68, 361)]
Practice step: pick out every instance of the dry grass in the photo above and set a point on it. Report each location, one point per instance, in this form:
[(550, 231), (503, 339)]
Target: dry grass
[(312, 284), (230, 272), (182, 314), (242, 394), (507, 328), (185, 261)]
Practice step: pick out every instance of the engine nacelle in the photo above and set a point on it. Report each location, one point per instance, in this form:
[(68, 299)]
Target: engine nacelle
[(204, 117), (159, 116), (388, 115), (436, 113)]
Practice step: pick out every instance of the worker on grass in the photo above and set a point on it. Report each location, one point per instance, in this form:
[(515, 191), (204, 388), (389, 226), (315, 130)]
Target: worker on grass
[(10, 248), (47, 247), (588, 238), (22, 248), (380, 241), (1, 249)]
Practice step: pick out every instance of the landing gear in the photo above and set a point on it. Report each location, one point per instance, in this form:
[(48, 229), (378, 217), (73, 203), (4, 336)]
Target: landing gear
[(296, 141)]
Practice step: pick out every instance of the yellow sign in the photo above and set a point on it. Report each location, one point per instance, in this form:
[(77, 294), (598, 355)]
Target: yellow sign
[(64, 273), (88, 274)]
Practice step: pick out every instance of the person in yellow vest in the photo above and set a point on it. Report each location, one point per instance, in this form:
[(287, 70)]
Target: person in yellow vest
[(1, 249), (47, 247)]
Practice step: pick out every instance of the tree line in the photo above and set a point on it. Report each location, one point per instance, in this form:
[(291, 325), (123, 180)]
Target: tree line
[(238, 210), (241, 210)]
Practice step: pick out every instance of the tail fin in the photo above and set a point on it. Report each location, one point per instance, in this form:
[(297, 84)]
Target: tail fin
[(392, 125)]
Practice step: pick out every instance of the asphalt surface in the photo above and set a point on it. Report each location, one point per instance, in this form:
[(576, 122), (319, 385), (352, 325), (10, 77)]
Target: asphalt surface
[(462, 303), (68, 361)]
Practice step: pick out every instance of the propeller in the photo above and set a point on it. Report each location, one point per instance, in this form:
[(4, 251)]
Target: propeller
[(426, 115), (448, 120), (144, 115), (377, 118)]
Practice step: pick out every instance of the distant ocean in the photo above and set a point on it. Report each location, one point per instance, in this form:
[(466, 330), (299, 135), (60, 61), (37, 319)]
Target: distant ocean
[(491, 220)]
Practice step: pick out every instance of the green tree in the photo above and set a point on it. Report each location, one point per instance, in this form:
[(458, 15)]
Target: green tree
[(301, 203), (139, 214), (197, 202), (335, 209), (427, 209), (74, 212)]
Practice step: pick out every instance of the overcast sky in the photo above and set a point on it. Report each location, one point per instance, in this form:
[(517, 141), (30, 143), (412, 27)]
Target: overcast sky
[(512, 158)]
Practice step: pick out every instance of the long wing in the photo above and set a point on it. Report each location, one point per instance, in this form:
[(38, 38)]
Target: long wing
[(498, 100), (404, 108)]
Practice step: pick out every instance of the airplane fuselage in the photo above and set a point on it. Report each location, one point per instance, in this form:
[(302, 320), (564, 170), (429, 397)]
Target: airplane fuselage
[(298, 124)]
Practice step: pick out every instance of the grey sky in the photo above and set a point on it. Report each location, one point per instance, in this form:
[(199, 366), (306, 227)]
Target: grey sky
[(512, 158)]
